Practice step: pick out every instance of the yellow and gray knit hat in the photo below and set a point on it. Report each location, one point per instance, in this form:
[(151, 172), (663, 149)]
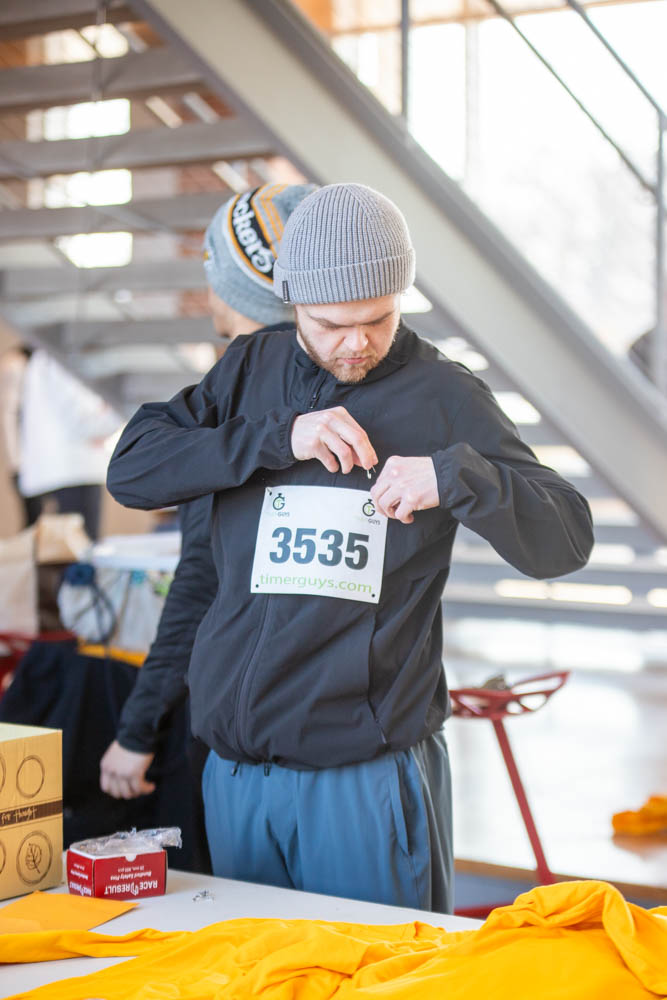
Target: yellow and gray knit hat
[(241, 244), (344, 242)]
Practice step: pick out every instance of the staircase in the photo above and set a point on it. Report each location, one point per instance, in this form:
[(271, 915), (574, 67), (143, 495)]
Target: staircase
[(227, 95)]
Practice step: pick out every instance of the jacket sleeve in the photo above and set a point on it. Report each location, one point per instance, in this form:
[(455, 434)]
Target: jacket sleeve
[(161, 681), (492, 482), (173, 452)]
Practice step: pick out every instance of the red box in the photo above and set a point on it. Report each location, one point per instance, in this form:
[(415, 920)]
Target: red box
[(120, 876)]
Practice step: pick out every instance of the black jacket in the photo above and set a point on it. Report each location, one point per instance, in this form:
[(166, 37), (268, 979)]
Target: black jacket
[(311, 681), (161, 682)]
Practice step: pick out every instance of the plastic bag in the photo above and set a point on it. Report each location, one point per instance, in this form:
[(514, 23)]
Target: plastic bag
[(130, 842)]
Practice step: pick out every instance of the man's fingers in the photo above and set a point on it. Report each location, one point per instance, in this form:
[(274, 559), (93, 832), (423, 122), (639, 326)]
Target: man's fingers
[(327, 459), (140, 787), (357, 438), (386, 494), (396, 504), (339, 448), (406, 485), (393, 500), (387, 480), (120, 786), (386, 500), (114, 788), (403, 512), (123, 772), (125, 789), (338, 431)]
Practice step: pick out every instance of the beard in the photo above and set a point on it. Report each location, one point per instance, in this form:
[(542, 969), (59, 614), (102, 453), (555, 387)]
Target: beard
[(349, 374)]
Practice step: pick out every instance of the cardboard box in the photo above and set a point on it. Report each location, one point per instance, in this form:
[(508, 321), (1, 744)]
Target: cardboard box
[(31, 809), (119, 876)]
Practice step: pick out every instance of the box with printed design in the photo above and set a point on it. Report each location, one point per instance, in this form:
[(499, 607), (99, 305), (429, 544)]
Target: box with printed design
[(123, 866), (31, 809)]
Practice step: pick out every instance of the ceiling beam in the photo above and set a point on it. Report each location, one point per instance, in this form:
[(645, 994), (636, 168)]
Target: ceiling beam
[(105, 333), (228, 139), (179, 213), (19, 19), (140, 276), (474, 601), (639, 576), (136, 75)]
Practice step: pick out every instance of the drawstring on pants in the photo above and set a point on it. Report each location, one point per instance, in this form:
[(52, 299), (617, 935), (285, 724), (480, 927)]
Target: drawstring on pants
[(237, 765)]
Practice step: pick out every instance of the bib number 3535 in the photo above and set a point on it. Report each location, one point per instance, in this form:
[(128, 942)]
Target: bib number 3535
[(319, 540), (333, 546)]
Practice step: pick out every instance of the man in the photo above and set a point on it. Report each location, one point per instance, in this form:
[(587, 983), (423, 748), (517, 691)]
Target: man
[(239, 250), (342, 455)]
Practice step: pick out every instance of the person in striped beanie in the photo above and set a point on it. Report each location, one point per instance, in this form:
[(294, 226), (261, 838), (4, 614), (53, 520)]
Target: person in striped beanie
[(240, 246)]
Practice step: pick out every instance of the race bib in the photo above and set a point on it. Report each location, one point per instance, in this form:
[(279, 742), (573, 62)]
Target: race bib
[(319, 540)]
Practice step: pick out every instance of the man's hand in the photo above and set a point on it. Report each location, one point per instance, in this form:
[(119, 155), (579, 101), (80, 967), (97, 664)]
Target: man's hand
[(331, 435), (406, 485), (123, 772)]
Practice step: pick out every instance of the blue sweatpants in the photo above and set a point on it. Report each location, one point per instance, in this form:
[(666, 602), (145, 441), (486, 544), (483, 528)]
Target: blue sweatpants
[(379, 831)]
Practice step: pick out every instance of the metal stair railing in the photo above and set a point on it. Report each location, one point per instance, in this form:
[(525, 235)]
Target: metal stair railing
[(658, 346)]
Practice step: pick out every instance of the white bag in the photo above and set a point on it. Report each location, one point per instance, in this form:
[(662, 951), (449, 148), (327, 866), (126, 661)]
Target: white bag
[(113, 607)]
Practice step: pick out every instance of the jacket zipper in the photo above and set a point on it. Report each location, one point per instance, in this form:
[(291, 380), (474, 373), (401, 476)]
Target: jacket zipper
[(315, 396), (248, 672)]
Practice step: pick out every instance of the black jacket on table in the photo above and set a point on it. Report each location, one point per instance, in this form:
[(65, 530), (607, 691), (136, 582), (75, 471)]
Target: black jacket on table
[(314, 681)]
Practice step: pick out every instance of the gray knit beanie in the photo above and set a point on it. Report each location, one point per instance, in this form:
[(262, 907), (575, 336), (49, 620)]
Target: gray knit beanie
[(240, 247), (344, 242)]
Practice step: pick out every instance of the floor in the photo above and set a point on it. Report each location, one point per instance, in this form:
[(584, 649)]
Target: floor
[(598, 746)]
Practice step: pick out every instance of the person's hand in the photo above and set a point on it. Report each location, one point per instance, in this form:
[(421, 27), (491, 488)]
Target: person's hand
[(123, 772), (333, 437), (406, 485)]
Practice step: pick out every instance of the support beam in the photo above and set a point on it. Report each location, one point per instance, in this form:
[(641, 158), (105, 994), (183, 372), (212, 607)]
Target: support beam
[(137, 75), (634, 536), (179, 214), (37, 282), (487, 568), (19, 19), (106, 333), (228, 139), (475, 601)]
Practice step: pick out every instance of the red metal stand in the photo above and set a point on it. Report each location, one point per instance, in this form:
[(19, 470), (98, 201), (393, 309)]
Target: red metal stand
[(494, 701)]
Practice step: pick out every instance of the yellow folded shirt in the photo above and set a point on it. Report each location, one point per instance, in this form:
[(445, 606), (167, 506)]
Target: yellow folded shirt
[(651, 818)]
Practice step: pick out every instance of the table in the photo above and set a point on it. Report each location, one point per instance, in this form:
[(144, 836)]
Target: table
[(177, 910)]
